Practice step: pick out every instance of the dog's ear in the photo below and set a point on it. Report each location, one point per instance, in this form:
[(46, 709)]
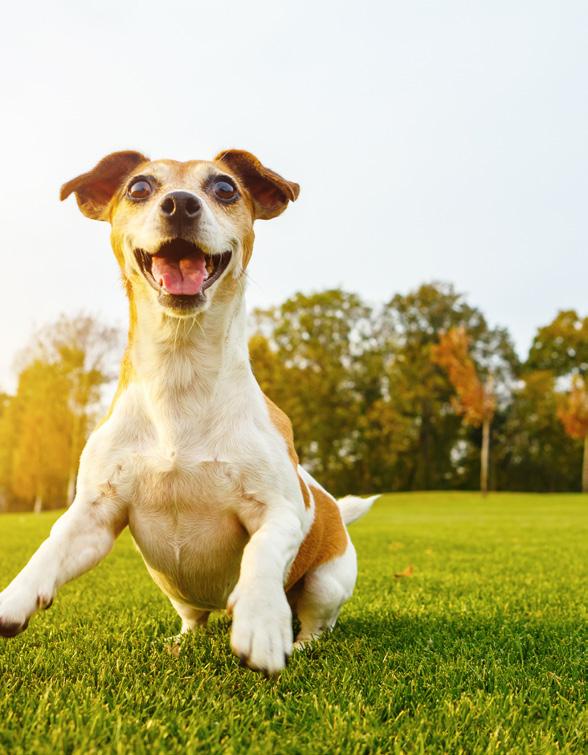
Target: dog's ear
[(269, 191), (95, 189)]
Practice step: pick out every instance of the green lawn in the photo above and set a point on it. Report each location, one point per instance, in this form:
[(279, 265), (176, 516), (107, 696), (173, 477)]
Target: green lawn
[(481, 650)]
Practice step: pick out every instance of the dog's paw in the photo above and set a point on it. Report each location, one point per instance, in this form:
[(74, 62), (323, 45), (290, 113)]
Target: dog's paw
[(17, 606), (10, 628), (14, 615), (261, 635)]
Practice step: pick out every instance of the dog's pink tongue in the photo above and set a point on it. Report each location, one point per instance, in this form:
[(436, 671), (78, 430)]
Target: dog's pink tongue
[(184, 276)]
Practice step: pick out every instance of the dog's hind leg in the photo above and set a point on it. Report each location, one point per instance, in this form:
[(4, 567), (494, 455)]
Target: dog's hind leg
[(325, 590), (192, 618)]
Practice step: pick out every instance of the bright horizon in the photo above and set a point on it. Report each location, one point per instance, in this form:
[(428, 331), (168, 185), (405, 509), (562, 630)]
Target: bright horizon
[(431, 143)]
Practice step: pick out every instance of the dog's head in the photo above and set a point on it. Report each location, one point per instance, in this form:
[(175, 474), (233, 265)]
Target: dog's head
[(181, 231)]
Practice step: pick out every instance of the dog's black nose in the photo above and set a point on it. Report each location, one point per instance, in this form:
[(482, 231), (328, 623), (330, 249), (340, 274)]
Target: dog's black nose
[(180, 205)]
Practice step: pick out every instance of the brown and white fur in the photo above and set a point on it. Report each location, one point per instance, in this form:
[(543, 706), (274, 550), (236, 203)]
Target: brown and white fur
[(192, 456)]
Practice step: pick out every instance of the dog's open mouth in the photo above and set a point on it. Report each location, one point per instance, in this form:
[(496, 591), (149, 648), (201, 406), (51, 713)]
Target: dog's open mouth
[(181, 268)]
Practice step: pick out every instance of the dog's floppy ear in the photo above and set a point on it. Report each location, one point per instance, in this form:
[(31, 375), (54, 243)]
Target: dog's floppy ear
[(269, 191), (95, 189)]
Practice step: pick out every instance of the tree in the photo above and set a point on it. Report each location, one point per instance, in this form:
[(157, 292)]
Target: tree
[(421, 390), (42, 421), (532, 451), (370, 409), (573, 414), (5, 449), (561, 346), (475, 401), (84, 348), (44, 426), (309, 356)]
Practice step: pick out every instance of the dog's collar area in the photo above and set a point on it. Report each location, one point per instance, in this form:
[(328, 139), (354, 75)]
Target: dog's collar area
[(180, 271)]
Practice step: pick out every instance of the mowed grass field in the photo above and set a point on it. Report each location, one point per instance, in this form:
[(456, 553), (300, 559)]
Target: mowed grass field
[(482, 649)]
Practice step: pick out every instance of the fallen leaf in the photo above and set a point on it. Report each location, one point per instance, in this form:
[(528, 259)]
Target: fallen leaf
[(408, 572), (173, 648)]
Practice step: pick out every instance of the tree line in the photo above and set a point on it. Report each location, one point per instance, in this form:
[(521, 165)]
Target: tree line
[(417, 394), (374, 406)]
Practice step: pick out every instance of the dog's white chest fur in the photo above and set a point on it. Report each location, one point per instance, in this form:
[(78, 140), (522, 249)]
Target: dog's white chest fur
[(185, 526)]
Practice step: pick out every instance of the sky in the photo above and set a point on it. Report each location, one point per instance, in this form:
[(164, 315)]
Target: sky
[(432, 141)]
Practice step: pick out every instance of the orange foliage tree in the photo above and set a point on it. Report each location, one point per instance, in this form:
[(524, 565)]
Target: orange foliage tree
[(475, 400), (573, 414)]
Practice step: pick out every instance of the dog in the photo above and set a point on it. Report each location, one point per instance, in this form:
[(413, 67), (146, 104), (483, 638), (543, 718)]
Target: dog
[(192, 456)]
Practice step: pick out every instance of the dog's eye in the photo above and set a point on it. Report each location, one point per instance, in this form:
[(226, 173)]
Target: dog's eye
[(140, 189), (225, 190)]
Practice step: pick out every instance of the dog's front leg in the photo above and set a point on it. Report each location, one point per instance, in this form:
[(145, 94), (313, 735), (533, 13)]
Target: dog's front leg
[(261, 634), (79, 539)]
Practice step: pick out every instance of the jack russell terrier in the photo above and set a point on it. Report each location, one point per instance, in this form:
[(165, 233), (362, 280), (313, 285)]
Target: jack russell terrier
[(192, 455)]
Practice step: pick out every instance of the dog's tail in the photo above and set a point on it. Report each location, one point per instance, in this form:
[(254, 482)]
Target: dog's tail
[(353, 507)]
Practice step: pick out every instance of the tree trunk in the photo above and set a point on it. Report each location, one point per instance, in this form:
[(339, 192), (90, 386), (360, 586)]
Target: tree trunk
[(423, 475), (585, 466), (38, 504), (485, 457)]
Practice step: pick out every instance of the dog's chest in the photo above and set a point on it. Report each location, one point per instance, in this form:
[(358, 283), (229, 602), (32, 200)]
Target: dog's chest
[(192, 471), (183, 517)]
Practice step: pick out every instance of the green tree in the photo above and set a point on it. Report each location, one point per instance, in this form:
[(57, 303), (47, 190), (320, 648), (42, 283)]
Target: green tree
[(533, 451), (561, 346), (309, 355), (560, 349)]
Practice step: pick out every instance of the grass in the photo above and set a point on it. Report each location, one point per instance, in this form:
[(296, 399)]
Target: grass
[(481, 650)]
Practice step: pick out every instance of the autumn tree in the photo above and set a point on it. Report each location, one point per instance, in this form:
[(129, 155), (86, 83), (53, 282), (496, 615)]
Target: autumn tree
[(573, 414), (474, 401), (421, 390)]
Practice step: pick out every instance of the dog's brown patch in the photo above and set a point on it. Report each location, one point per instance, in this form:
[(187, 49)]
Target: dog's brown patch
[(326, 539), (283, 425)]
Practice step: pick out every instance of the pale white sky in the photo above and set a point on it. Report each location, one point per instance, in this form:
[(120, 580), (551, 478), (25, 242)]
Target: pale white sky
[(432, 140)]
